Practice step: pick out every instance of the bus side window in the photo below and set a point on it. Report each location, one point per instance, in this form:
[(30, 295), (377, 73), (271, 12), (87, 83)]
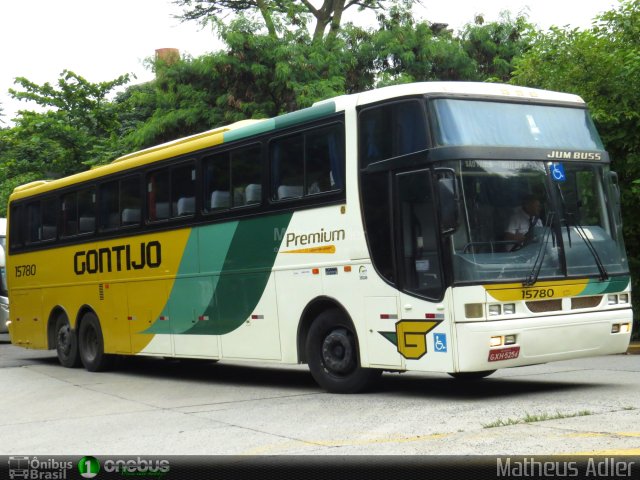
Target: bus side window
[(69, 214), (130, 201), (183, 188), (158, 195), (109, 206), (87, 211), (246, 176), (392, 130), (216, 182), (287, 167), (34, 222), (307, 163), (323, 160), (17, 231), (49, 219)]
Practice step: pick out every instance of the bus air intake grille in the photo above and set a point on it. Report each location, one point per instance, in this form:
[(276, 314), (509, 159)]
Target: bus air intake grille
[(585, 302), (545, 306)]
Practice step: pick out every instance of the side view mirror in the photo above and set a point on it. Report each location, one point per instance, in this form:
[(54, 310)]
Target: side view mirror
[(448, 199), (615, 187)]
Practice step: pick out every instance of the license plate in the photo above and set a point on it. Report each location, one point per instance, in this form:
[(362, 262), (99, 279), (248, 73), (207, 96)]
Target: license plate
[(504, 354)]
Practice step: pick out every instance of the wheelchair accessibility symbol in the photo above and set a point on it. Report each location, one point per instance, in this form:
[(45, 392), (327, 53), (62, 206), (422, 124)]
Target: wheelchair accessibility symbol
[(440, 342), (557, 172)]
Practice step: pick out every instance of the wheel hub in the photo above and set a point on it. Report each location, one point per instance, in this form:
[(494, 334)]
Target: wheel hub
[(64, 340), (338, 352)]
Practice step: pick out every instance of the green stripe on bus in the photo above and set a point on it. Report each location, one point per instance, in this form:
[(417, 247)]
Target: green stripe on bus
[(245, 274), (305, 115), (597, 287), (249, 131), (283, 121), (235, 261)]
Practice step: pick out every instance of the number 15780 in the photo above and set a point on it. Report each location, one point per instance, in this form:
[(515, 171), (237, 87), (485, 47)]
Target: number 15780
[(25, 270), (537, 293)]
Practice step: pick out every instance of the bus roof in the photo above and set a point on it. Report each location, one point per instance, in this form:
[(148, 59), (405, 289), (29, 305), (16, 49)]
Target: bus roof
[(248, 128), (471, 89)]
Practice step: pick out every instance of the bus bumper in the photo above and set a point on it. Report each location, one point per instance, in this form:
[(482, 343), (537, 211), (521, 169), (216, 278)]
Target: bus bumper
[(541, 339)]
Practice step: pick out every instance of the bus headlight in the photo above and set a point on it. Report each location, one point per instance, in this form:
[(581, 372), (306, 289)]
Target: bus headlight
[(473, 310), (495, 310)]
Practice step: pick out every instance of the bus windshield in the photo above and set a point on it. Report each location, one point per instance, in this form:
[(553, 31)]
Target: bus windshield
[(499, 124), (518, 224)]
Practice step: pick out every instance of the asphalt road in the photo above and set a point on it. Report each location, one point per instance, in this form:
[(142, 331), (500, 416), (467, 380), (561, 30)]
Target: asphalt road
[(153, 406)]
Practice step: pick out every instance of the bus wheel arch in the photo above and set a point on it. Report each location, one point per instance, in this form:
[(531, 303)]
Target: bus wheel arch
[(55, 313), (63, 338), (310, 313), (91, 341), (332, 353)]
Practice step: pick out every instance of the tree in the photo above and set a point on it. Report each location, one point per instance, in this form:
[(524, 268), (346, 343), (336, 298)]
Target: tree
[(278, 15), (79, 128), (495, 46)]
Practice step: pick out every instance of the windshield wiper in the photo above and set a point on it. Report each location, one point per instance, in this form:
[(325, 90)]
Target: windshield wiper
[(604, 275), (532, 278)]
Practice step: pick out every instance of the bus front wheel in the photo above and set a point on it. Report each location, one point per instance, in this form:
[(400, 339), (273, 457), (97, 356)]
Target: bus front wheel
[(332, 355), (66, 343), (91, 345)]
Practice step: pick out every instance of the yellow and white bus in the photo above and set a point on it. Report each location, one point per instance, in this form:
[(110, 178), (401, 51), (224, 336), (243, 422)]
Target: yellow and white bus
[(370, 232)]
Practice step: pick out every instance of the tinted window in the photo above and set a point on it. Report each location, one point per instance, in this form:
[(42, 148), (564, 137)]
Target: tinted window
[(158, 195), (419, 235), (376, 202), (233, 179), (246, 176), (307, 163), (41, 220), (183, 190), (78, 212), (120, 203), (392, 130), (217, 182)]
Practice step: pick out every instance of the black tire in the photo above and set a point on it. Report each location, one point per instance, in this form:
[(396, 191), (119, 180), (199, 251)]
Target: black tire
[(332, 355), (66, 343), (91, 345), (470, 376)]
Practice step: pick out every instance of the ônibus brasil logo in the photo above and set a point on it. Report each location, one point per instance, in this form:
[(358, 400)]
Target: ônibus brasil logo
[(88, 466)]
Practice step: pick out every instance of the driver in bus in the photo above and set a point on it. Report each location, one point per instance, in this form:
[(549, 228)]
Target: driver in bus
[(523, 219)]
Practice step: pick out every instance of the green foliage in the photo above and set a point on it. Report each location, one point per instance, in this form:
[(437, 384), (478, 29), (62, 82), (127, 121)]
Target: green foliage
[(259, 75), (80, 127), (495, 46), (602, 65), (280, 17)]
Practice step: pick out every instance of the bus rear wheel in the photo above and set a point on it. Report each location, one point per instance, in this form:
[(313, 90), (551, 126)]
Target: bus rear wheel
[(91, 345), (66, 343), (332, 355)]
